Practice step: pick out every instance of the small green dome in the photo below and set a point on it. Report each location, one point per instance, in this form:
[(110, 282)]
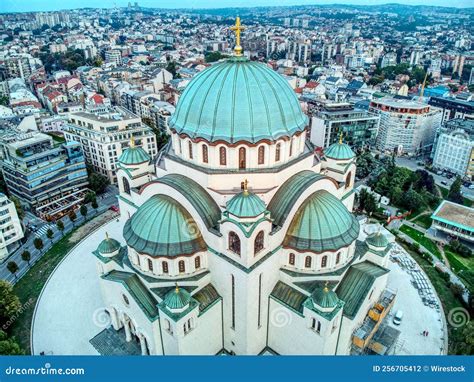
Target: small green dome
[(377, 240), (238, 100), (162, 227), (134, 155), (177, 298), (322, 223), (246, 205), (108, 246), (325, 297), (339, 151)]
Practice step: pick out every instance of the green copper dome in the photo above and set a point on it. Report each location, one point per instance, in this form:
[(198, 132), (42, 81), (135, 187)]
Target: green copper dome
[(177, 298), (325, 297), (134, 155), (322, 223), (162, 227), (340, 151), (377, 240), (238, 100), (245, 205), (108, 246)]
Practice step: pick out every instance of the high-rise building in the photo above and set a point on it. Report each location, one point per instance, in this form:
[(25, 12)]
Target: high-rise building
[(49, 179), (104, 136), (113, 56), (406, 126), (453, 108), (18, 66), (10, 227)]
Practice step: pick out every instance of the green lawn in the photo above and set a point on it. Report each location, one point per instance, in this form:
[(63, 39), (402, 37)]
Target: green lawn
[(459, 265), (420, 238), (423, 221), (445, 192), (446, 296), (31, 284)]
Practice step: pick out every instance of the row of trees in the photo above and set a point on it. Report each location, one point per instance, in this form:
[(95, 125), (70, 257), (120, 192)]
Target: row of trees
[(9, 309)]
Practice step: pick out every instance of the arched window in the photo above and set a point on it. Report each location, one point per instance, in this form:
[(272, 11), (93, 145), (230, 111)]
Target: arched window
[(307, 262), (181, 266), (291, 147), (338, 257), (234, 243), (205, 154), (258, 244), (190, 149), (348, 179), (242, 158), (291, 259), (164, 265), (313, 323), (168, 325), (277, 152), (318, 327), (150, 265), (126, 186), (197, 262), (180, 146), (261, 155), (125, 300), (324, 262), (222, 156)]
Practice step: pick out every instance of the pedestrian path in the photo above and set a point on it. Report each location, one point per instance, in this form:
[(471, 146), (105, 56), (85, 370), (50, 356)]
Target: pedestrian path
[(43, 229)]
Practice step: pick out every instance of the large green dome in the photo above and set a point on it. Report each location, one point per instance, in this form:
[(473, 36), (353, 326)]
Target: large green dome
[(162, 227), (339, 151), (108, 246), (322, 223), (134, 155), (377, 239), (238, 100), (325, 297)]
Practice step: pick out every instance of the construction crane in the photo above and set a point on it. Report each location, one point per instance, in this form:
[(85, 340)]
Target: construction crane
[(423, 86)]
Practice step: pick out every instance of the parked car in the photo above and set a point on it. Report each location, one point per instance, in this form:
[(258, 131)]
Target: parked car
[(397, 319), (444, 182), (114, 208)]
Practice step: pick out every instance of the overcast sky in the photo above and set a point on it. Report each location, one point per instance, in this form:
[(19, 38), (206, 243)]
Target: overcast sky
[(50, 5)]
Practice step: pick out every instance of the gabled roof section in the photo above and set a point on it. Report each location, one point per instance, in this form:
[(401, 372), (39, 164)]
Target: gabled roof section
[(356, 284), (289, 297)]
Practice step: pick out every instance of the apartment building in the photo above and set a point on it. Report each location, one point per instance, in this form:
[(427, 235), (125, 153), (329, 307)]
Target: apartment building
[(11, 230)]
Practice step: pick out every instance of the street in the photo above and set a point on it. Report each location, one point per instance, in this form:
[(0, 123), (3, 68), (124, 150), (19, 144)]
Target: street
[(105, 201)]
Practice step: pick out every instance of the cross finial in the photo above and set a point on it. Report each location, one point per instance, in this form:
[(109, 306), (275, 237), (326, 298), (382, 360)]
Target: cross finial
[(237, 28), (340, 138), (326, 289), (246, 190), (132, 142), (176, 287), (107, 236)]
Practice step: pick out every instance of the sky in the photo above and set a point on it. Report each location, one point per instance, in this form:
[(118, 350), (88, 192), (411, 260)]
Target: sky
[(51, 5)]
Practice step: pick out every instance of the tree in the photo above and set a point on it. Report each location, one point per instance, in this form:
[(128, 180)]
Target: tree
[(26, 256), (454, 194), (72, 217), (370, 204), (4, 100), (90, 197), (12, 267), (50, 234), (98, 182), (18, 206), (83, 211), (38, 243), (9, 302), (214, 56), (60, 226), (458, 290), (8, 346), (94, 205), (412, 200)]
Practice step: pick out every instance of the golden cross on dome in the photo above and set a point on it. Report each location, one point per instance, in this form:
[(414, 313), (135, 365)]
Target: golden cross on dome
[(237, 28), (326, 289), (340, 138), (246, 190), (176, 288), (132, 142)]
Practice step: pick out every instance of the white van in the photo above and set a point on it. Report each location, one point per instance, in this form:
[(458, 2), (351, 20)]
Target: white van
[(397, 319)]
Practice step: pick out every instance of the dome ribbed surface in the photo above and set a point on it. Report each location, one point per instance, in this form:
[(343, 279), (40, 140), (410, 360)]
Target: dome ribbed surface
[(162, 227), (246, 205), (134, 155), (238, 100), (108, 246), (339, 151), (325, 297), (322, 223), (377, 240), (177, 298)]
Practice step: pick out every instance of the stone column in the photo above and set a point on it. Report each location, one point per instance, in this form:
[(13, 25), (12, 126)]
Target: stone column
[(142, 344), (114, 318), (128, 334)]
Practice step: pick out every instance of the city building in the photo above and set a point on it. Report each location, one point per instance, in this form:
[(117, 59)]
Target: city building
[(453, 150), (19, 66), (220, 234), (113, 56), (454, 220), (49, 179), (406, 127), (11, 230), (105, 136), (358, 127), (453, 108)]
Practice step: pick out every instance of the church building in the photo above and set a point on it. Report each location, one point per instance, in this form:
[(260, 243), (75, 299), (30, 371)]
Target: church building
[(240, 237)]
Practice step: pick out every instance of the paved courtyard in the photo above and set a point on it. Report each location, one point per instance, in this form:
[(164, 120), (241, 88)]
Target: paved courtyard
[(69, 312)]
